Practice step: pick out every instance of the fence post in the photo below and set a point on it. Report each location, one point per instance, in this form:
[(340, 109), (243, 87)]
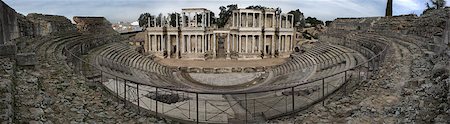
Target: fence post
[(156, 100), (345, 82), (137, 96), (125, 91), (323, 91), (117, 90), (246, 110), (293, 101), (196, 96)]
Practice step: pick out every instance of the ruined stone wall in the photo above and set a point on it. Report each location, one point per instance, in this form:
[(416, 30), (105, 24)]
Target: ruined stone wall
[(8, 23), (430, 24), (399, 24), (93, 25), (14, 25), (354, 23), (44, 25)]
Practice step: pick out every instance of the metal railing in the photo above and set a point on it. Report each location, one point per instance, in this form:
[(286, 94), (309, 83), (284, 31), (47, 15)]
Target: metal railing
[(187, 105)]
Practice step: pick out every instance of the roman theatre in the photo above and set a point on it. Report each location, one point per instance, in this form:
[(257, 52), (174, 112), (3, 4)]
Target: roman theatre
[(256, 69)]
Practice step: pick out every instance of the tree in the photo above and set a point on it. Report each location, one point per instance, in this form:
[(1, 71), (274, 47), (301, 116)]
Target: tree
[(435, 4), (327, 23), (225, 14), (257, 7), (313, 21), (298, 18), (143, 19), (173, 19)]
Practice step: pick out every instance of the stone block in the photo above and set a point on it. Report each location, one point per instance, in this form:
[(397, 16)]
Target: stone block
[(26, 59), (8, 50)]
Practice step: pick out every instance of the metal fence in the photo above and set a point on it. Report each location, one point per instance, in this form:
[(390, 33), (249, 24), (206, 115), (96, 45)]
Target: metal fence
[(186, 105)]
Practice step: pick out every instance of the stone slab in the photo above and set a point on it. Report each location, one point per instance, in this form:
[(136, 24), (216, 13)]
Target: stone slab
[(7, 49), (26, 59)]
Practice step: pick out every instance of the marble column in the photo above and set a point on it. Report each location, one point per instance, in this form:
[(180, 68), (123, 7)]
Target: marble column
[(279, 43), (228, 43), (264, 44), (189, 44), (163, 41), (214, 45), (232, 42), (287, 20), (273, 46), (183, 43), (238, 43), (178, 46), (246, 19), (246, 43), (176, 20), (292, 21), (232, 19), (169, 46), (253, 44), (254, 20)]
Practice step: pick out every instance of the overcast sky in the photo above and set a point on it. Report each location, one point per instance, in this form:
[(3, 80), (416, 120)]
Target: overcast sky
[(129, 10)]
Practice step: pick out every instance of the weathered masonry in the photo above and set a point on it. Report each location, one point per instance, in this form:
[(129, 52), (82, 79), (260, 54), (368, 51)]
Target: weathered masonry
[(248, 34)]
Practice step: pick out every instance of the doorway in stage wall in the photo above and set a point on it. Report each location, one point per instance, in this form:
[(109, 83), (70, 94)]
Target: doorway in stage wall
[(221, 53)]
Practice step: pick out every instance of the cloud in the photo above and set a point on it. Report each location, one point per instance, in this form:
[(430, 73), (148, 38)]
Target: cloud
[(129, 10)]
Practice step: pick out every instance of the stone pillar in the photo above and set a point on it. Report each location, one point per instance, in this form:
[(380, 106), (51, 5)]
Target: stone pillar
[(169, 46), (273, 20), (246, 43), (254, 20), (189, 44), (214, 44), (246, 19), (209, 19), (261, 22), (182, 44), (287, 16), (279, 43), (163, 41), (228, 43), (238, 43), (178, 46), (292, 21), (252, 44), (273, 46), (189, 20), (148, 22), (264, 44), (280, 21), (292, 43), (232, 42), (238, 19), (232, 19), (176, 19)]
